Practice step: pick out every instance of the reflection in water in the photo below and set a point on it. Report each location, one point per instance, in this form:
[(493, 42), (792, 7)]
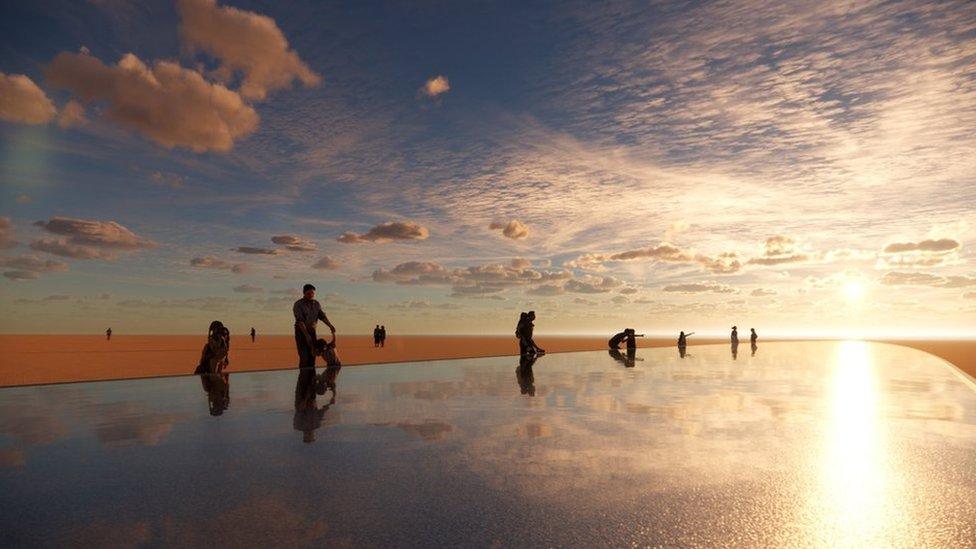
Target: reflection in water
[(735, 349), (525, 376), (682, 351), (217, 387), (754, 347), (629, 360), (854, 495), (308, 415)]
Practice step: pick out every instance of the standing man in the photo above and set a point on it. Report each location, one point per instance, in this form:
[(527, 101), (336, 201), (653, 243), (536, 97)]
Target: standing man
[(307, 312), (383, 335), (108, 334), (254, 334)]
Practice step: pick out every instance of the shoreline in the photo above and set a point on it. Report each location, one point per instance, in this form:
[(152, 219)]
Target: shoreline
[(29, 359)]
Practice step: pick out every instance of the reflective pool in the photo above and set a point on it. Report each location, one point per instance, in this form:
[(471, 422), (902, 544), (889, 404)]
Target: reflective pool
[(820, 443)]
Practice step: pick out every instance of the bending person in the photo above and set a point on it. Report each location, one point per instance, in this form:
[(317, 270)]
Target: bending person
[(308, 312)]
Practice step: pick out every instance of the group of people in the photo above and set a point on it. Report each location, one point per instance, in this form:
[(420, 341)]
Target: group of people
[(524, 331), (379, 336)]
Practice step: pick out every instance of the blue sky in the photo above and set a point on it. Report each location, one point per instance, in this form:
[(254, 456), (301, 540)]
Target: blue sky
[(802, 168)]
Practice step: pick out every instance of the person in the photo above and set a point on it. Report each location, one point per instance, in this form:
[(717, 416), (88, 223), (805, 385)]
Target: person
[(752, 340), (683, 342), (108, 334), (523, 349), (376, 336), (217, 387), (524, 375), (735, 335), (525, 332), (628, 335), (327, 380), (307, 313), (383, 336), (215, 355), (254, 334), (629, 361)]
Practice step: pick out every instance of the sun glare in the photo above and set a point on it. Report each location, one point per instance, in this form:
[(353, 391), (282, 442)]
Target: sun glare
[(853, 291)]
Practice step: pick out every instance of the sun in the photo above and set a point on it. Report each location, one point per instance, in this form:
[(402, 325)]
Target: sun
[(853, 290)]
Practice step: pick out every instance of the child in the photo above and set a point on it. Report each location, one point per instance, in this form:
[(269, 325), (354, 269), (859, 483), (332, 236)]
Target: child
[(327, 380)]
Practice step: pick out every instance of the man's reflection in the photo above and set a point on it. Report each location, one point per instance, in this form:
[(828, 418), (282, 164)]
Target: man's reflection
[(629, 360), (682, 351), (217, 387), (735, 349), (308, 415), (525, 376), (753, 346)]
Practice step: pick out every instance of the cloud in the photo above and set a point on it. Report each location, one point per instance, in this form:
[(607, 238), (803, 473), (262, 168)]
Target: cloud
[(170, 180), (435, 86), (761, 292), (7, 238), (779, 250), (898, 278), (592, 285), (422, 305), (172, 105), (700, 287), (387, 232), (326, 263), (255, 251), (520, 263), (73, 114), (294, 243), (248, 289), (969, 295), (584, 301), (724, 263), (514, 229), (546, 290), (88, 238), (620, 300), (938, 246), (628, 291), (28, 267), (21, 101), (245, 43), (211, 262)]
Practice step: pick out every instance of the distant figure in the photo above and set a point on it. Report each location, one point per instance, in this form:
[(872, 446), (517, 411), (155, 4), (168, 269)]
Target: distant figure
[(108, 334), (217, 387), (376, 336), (524, 331), (327, 380), (683, 342), (308, 415), (307, 313), (525, 376), (383, 336), (254, 334), (629, 334), (215, 355), (735, 349), (735, 335), (752, 340), (629, 360)]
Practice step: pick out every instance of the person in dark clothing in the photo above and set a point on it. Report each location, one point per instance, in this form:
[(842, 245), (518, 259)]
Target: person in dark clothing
[(383, 336), (524, 375), (376, 336), (627, 335), (307, 313), (215, 355), (108, 334), (217, 387), (254, 334), (524, 332), (734, 338), (683, 343)]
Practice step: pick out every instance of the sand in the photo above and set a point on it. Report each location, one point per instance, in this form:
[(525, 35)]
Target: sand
[(37, 359)]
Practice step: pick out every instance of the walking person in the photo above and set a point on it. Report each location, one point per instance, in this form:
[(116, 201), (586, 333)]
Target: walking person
[(383, 336), (254, 334), (524, 332), (752, 340), (108, 334), (735, 335), (376, 336), (308, 312)]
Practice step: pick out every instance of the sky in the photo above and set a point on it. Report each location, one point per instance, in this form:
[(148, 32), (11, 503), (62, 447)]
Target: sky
[(438, 167)]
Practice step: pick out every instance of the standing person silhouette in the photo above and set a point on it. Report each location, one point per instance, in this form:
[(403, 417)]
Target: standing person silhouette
[(254, 334), (307, 313), (376, 336), (752, 340), (108, 334), (525, 332), (383, 336), (735, 335)]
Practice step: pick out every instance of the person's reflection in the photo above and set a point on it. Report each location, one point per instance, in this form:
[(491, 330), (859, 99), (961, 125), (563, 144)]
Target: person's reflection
[(217, 387), (629, 360), (308, 415), (735, 349), (524, 374), (753, 346)]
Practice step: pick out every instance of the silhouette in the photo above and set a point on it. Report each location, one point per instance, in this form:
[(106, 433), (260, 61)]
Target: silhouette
[(108, 334), (752, 340), (629, 335), (327, 380), (753, 346), (215, 355), (307, 313), (683, 342), (524, 332), (217, 387), (376, 336), (735, 349), (308, 415), (735, 335), (383, 336), (254, 334), (525, 376), (629, 360)]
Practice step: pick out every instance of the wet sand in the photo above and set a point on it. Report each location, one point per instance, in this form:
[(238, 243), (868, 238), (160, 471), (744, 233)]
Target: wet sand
[(35, 359)]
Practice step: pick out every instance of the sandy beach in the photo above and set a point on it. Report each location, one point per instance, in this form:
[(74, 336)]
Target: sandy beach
[(37, 359)]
